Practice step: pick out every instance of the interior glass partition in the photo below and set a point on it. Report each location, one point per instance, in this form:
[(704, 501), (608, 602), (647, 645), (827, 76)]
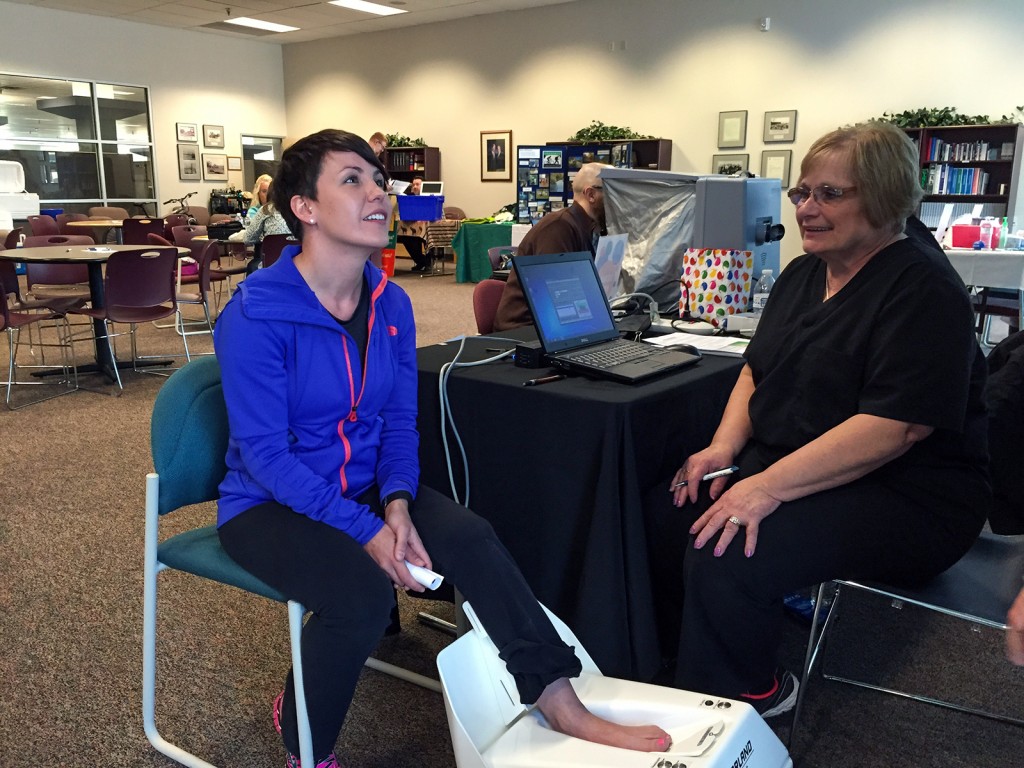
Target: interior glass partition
[(80, 143)]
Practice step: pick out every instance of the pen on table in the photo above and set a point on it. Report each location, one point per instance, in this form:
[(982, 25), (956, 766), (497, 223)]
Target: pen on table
[(544, 380), (712, 475)]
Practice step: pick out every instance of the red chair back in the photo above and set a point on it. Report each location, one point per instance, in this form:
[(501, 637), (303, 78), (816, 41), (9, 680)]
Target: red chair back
[(171, 221), (56, 274), (63, 219), (41, 224), (182, 236), (486, 295), (12, 239), (40, 241), (143, 278), (135, 231), (272, 246)]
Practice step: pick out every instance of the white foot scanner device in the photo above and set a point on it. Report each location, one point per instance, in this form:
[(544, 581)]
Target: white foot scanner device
[(491, 729)]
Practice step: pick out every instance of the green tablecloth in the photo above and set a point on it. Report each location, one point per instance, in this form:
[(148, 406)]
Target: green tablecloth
[(470, 245)]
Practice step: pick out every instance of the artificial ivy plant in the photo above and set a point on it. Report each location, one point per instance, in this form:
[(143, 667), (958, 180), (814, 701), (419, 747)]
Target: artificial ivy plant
[(398, 140), (941, 117), (598, 132)]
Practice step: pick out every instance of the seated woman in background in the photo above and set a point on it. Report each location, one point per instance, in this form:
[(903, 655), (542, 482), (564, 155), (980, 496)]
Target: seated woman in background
[(322, 497), (260, 194), (857, 424), (266, 221)]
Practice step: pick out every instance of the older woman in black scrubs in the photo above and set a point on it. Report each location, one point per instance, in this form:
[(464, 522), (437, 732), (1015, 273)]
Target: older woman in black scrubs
[(856, 423)]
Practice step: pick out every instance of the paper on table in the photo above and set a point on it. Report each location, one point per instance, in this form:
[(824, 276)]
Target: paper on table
[(427, 578), (714, 345)]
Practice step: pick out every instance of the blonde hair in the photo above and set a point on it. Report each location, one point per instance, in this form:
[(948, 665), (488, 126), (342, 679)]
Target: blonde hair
[(883, 166), (256, 189)]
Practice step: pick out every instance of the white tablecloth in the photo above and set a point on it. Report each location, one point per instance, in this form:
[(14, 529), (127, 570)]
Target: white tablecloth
[(989, 269)]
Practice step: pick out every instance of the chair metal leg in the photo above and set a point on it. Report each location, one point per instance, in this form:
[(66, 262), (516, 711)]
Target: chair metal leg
[(814, 644), (296, 612)]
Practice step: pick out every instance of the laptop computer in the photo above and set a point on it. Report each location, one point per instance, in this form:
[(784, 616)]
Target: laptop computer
[(575, 325), (432, 188)]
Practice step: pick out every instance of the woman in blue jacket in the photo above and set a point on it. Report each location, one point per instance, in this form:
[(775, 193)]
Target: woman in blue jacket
[(322, 498)]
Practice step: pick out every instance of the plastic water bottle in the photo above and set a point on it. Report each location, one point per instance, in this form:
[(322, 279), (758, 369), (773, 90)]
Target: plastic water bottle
[(762, 289), (985, 233)]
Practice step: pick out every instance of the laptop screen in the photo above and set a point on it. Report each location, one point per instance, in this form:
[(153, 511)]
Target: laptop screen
[(565, 295), (432, 188)]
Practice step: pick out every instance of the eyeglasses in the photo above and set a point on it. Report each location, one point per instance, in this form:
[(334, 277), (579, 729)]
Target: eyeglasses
[(823, 194)]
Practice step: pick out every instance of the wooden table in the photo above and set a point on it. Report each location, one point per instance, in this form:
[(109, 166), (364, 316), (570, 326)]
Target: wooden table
[(100, 224), (95, 256)]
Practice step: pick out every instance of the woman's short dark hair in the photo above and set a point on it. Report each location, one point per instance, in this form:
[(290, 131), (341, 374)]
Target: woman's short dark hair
[(301, 164), (883, 165)]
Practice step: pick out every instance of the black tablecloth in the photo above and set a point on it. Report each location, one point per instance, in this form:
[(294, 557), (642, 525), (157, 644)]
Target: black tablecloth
[(560, 470)]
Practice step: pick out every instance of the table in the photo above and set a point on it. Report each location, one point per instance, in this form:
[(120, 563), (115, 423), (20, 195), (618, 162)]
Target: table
[(991, 269), (471, 243), (103, 224), (560, 470), (95, 257)]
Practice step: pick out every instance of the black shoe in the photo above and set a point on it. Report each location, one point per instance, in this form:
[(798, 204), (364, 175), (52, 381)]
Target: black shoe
[(780, 699), (417, 268)]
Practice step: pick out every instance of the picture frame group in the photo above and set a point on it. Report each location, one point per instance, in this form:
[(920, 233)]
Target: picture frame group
[(780, 126), (495, 155), (727, 165)]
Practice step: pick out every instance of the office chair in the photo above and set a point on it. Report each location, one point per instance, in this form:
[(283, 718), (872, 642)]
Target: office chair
[(979, 589), (501, 256), (139, 287), (135, 231), (12, 319), (486, 296), (189, 435), (41, 224)]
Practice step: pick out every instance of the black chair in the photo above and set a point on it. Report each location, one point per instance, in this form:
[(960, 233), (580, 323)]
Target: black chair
[(979, 589)]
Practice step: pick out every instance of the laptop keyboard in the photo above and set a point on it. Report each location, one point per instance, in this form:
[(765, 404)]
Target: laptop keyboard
[(611, 355)]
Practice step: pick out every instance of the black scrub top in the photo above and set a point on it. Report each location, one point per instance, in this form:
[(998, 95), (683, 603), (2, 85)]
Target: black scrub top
[(896, 342)]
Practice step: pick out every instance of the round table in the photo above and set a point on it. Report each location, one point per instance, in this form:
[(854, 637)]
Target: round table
[(98, 224), (95, 256)]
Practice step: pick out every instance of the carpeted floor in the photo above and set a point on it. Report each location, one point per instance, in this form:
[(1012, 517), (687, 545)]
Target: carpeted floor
[(71, 623)]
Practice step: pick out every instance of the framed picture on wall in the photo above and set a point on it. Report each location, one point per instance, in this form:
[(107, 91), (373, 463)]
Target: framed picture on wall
[(775, 165), (187, 132), (234, 163), (728, 164), (495, 149), (213, 136), (780, 126), (215, 167), (732, 129), (188, 163)]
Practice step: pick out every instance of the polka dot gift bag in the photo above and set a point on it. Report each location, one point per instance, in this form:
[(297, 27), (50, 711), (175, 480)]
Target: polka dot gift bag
[(715, 283)]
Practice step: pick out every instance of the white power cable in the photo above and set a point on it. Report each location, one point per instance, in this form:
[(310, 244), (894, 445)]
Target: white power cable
[(447, 417)]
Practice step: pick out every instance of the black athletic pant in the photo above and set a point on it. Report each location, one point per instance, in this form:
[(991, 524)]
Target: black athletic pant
[(351, 598), (732, 607)]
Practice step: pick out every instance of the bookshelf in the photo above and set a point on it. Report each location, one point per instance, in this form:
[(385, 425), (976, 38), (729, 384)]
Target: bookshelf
[(405, 162), (971, 165), (633, 153)]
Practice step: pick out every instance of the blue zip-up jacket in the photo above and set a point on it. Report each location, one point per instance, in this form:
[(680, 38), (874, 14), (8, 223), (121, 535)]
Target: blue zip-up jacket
[(309, 429)]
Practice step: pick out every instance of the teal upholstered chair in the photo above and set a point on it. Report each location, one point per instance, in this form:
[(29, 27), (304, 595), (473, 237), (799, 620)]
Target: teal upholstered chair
[(189, 441)]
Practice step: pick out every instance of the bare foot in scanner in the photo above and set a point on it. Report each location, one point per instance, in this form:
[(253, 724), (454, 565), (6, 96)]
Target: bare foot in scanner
[(566, 714)]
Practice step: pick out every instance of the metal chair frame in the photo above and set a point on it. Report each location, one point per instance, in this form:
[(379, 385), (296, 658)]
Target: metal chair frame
[(978, 589), (188, 470)]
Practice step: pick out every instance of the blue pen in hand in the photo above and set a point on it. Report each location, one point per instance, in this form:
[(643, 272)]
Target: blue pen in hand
[(712, 475)]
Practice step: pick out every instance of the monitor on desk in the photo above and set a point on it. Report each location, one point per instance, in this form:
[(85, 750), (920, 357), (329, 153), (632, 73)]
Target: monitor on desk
[(432, 188)]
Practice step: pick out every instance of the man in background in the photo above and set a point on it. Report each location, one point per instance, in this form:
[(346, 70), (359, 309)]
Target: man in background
[(412, 233), (575, 228)]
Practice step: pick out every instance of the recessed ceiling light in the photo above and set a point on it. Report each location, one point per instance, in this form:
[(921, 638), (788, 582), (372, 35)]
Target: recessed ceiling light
[(366, 7), (244, 21)]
